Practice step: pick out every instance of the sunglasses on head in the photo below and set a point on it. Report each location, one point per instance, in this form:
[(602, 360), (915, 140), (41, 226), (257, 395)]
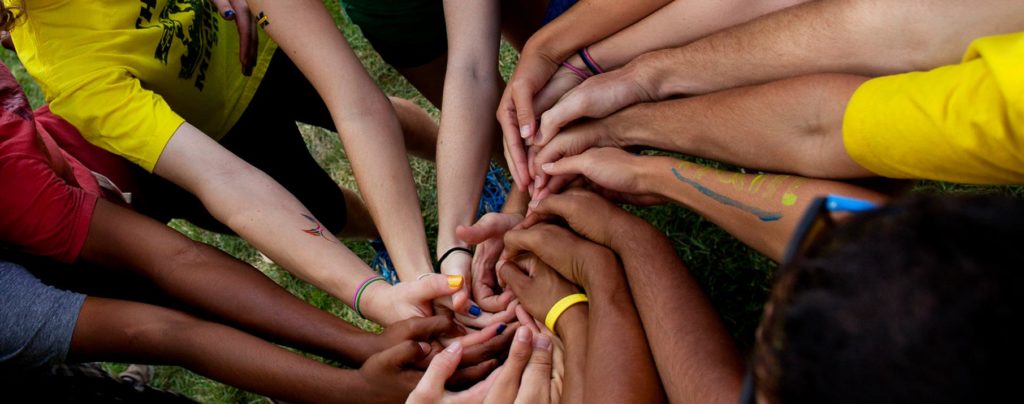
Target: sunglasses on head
[(815, 222)]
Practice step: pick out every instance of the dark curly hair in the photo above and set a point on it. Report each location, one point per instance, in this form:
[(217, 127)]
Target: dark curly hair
[(7, 16), (914, 303)]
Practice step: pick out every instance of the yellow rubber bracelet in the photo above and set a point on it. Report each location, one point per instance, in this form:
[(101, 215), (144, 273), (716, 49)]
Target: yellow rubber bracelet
[(560, 307)]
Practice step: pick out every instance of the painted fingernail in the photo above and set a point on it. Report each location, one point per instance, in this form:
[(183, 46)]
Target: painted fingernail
[(229, 14), (522, 334), (501, 328), (524, 130), (454, 347), (454, 281), (474, 310), (548, 167), (542, 341)]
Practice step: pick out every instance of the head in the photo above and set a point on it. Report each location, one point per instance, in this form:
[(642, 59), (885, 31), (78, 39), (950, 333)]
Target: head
[(7, 16), (914, 302)]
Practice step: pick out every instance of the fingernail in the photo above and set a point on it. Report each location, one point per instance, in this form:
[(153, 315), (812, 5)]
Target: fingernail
[(454, 347), (454, 281), (542, 341), (522, 334), (524, 130), (534, 204), (548, 167), (501, 328), (474, 310), (499, 264), (537, 179), (229, 14), (425, 347)]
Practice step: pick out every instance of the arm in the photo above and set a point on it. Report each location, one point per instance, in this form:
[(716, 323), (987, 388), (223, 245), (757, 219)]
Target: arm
[(467, 130), (868, 38), (365, 120), (117, 330), (583, 24), (793, 126), (761, 210), (694, 354)]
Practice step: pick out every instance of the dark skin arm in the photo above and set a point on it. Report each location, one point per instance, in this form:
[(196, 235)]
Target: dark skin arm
[(694, 354), (127, 331), (619, 366), (213, 282)]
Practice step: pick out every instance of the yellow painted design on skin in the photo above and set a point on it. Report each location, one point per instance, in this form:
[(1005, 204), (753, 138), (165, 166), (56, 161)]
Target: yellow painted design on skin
[(789, 199), (755, 185)]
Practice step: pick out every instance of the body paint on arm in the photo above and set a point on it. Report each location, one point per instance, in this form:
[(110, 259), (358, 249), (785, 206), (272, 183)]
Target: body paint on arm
[(763, 215), (318, 230)]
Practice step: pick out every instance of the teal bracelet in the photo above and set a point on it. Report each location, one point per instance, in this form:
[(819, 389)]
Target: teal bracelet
[(359, 293)]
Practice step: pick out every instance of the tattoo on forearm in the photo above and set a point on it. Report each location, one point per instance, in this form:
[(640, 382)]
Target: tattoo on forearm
[(317, 230), (762, 186)]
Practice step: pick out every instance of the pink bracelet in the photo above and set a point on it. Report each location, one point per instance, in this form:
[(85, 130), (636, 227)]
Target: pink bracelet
[(590, 62), (580, 73)]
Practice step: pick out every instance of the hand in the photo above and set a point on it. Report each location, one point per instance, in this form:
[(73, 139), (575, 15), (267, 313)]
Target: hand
[(563, 81), (248, 31), (388, 377), (617, 174), (575, 140), (590, 216), (527, 375), (537, 286), (387, 305), (488, 235), (598, 97), (516, 110), (431, 388), (577, 260)]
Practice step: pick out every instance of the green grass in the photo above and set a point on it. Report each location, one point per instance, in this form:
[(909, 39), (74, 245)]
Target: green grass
[(735, 277)]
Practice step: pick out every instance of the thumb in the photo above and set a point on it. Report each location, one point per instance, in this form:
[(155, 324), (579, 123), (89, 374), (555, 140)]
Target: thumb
[(489, 226), (425, 329), (433, 287), (522, 97), (442, 368), (568, 165)]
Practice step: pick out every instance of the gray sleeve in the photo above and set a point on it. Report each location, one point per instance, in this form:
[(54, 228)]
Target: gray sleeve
[(36, 320)]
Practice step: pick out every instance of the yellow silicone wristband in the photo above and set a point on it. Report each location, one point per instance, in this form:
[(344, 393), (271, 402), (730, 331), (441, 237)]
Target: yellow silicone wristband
[(560, 307)]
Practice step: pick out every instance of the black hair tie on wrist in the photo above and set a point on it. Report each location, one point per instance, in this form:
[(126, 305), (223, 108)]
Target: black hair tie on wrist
[(437, 268)]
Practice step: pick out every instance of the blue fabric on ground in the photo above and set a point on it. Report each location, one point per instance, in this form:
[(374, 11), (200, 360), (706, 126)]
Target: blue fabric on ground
[(556, 8)]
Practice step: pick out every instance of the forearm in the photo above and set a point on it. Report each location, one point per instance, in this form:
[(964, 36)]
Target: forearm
[(365, 120), (693, 352), (113, 330), (572, 329), (587, 22), (468, 131), (620, 368), (761, 210), (205, 278), (869, 38), (792, 126), (674, 25)]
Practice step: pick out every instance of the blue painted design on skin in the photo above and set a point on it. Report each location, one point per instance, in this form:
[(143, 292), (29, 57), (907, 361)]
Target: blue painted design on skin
[(765, 216)]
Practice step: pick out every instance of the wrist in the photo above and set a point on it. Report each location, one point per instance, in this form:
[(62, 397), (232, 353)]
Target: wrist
[(373, 303), (648, 72), (573, 323)]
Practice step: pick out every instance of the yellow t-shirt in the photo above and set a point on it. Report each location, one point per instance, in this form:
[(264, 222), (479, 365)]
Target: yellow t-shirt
[(961, 123), (129, 73)]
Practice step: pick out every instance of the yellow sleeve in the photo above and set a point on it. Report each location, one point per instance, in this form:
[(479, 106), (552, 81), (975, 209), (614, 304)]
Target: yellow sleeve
[(957, 123), (112, 110)]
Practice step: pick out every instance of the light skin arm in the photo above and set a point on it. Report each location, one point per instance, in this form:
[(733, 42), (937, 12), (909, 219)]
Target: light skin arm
[(271, 219), (365, 120), (467, 130), (869, 38), (694, 354), (790, 126), (761, 210), (585, 23)]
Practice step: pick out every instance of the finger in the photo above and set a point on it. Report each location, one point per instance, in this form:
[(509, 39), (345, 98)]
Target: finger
[(494, 348), (440, 370), (527, 320), (536, 382), (246, 28), (404, 354), (515, 155), (507, 385), (254, 40), (570, 108), (497, 302), (425, 329), (225, 9), (467, 376), (546, 241), (522, 98), (478, 393), (489, 226)]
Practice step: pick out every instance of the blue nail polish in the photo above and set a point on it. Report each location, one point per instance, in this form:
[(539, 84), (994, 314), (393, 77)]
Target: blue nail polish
[(501, 328), (474, 310), (229, 14)]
